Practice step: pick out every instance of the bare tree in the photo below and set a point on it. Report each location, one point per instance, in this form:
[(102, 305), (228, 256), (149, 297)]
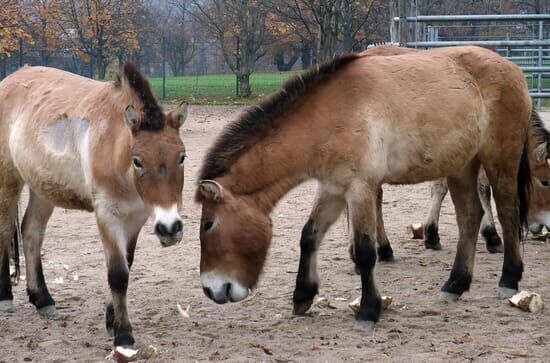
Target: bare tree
[(240, 26), (180, 40), (98, 29)]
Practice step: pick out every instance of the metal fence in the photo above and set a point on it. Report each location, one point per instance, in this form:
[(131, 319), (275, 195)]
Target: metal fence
[(522, 38)]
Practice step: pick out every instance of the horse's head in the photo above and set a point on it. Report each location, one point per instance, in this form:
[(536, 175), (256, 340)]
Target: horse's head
[(235, 236), (157, 155), (541, 168)]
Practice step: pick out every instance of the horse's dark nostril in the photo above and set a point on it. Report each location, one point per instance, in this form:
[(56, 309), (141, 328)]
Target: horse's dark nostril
[(161, 230), (208, 293), (177, 227), (227, 289)]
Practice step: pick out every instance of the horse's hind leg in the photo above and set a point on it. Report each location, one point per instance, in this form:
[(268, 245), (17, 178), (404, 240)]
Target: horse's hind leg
[(326, 209), (35, 220), (438, 191), (10, 190), (488, 230), (385, 252), (463, 190)]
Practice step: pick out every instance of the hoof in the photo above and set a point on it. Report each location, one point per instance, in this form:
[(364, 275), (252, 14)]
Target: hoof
[(48, 311), (435, 246), (495, 248), (385, 253), (300, 309), (124, 340), (365, 326), (506, 292), (6, 306), (445, 296)]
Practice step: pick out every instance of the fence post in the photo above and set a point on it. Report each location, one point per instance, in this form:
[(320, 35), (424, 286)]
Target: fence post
[(539, 63), (163, 67), (394, 29), (404, 8)]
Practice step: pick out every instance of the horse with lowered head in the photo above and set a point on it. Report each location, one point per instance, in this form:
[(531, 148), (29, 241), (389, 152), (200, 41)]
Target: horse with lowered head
[(106, 148), (354, 124)]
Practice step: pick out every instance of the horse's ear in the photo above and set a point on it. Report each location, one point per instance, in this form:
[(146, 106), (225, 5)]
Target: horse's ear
[(178, 115), (211, 190), (131, 118), (541, 152)]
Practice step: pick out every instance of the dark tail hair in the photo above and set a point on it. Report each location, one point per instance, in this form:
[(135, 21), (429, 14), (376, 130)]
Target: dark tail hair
[(15, 250), (524, 183)]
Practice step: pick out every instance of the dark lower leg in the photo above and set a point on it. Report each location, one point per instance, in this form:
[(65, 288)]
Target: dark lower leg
[(5, 280), (326, 210), (118, 275), (468, 215), (33, 227), (488, 230), (385, 252), (438, 192), (307, 284), (365, 257), (109, 309)]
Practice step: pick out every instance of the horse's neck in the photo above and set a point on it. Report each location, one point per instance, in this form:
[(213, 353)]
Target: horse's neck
[(273, 166)]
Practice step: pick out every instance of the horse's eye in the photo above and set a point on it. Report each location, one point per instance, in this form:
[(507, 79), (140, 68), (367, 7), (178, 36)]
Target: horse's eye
[(182, 159), (138, 164), (208, 225)]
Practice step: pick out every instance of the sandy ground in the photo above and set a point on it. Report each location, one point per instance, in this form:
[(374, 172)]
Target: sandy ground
[(415, 328)]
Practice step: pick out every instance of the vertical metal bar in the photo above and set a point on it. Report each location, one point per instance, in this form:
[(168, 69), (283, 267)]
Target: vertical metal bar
[(404, 9), (539, 63), (163, 67)]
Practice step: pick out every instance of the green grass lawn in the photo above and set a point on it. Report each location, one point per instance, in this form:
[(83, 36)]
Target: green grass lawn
[(220, 88), (216, 89)]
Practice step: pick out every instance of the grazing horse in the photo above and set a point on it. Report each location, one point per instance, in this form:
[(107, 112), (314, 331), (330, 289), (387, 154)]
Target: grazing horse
[(354, 124), (102, 147), (539, 139)]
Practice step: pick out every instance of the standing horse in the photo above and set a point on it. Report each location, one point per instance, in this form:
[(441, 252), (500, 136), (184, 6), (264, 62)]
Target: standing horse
[(539, 139), (355, 124), (105, 148)]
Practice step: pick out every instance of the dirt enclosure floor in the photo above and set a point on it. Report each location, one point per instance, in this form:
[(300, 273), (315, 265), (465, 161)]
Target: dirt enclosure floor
[(415, 328)]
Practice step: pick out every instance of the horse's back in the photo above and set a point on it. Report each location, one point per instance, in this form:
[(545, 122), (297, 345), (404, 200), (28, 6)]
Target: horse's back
[(439, 108)]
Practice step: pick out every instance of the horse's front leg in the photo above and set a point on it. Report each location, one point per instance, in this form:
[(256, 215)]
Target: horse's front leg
[(363, 211), (109, 310), (326, 209), (118, 239)]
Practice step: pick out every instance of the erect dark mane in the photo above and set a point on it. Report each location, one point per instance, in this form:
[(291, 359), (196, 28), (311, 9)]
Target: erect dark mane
[(152, 118), (541, 133), (258, 120)]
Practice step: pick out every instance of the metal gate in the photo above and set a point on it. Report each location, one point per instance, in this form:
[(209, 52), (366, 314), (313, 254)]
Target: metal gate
[(532, 53)]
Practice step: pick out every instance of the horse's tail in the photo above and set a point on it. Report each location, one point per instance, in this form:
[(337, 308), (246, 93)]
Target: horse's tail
[(524, 182), (15, 249)]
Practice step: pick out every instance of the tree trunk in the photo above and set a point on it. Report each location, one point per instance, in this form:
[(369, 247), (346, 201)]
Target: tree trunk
[(101, 68), (283, 66), (306, 55), (245, 90), (3, 67)]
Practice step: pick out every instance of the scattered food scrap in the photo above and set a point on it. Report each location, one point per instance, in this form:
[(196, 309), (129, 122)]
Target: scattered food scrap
[(527, 301)]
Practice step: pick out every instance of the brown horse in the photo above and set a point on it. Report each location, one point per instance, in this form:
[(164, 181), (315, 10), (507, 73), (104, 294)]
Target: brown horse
[(355, 124), (106, 148), (539, 139)]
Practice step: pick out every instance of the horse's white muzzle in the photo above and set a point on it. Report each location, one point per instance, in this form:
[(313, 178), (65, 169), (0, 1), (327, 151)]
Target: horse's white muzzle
[(168, 225), (222, 289)]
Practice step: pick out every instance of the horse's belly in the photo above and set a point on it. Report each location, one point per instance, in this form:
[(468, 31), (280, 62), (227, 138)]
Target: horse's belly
[(415, 161), (52, 161)]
